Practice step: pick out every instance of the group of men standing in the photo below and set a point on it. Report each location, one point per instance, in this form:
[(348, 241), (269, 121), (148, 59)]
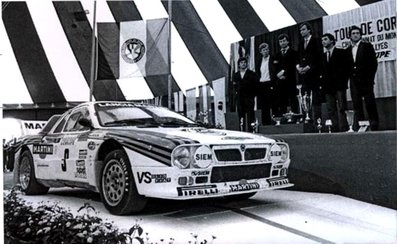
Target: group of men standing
[(319, 69)]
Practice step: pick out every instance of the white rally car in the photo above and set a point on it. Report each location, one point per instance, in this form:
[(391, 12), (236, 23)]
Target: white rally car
[(128, 152)]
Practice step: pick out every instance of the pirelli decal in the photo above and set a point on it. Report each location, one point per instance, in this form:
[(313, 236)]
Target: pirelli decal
[(43, 149), (278, 182), (197, 190)]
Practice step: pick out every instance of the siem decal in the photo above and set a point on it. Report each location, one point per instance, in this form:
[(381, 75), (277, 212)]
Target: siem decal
[(200, 173), (43, 149), (80, 170), (244, 187), (147, 177), (203, 156), (197, 190), (275, 153)]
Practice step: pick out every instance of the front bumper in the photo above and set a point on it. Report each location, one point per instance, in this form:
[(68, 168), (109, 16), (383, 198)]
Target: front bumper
[(172, 183)]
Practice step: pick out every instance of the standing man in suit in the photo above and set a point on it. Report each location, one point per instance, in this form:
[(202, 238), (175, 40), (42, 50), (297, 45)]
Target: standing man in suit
[(246, 82), (265, 91), (308, 68), (335, 75), (363, 66), (285, 62)]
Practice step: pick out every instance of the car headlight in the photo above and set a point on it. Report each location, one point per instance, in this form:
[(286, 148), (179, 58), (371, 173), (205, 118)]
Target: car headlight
[(279, 153), (284, 153), (182, 157)]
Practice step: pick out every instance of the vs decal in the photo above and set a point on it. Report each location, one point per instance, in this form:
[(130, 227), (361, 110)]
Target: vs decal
[(148, 178)]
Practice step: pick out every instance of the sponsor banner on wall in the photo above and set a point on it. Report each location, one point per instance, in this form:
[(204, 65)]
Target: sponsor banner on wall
[(176, 102), (203, 100), (179, 102), (191, 111), (219, 102), (13, 128), (377, 23)]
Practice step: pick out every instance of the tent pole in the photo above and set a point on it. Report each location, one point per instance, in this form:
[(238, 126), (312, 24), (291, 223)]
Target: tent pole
[(93, 54), (169, 54)]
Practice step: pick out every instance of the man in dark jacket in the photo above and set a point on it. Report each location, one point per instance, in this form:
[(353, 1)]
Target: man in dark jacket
[(285, 68), (335, 75), (246, 82), (363, 66), (308, 68)]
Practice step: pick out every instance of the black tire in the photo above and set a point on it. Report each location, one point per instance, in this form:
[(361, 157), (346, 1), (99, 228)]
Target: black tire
[(27, 178), (117, 186)]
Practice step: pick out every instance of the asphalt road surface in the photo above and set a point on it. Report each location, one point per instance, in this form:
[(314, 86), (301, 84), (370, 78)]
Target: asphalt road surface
[(279, 216)]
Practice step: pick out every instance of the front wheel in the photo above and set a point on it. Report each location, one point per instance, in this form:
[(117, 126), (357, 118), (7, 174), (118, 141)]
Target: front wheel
[(118, 189), (27, 178)]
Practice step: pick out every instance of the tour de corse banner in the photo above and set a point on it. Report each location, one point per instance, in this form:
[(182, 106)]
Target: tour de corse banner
[(377, 23)]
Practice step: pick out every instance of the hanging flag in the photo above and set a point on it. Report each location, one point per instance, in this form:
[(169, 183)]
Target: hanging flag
[(133, 49)]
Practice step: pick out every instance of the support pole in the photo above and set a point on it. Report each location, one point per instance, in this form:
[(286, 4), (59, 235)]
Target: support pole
[(93, 54), (169, 55)]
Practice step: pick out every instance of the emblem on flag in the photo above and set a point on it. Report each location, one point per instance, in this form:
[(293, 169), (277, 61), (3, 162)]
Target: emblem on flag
[(132, 50)]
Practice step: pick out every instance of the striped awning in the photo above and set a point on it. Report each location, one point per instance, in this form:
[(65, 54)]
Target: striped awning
[(46, 45)]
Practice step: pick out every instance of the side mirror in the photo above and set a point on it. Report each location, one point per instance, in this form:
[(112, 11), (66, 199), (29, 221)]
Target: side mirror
[(86, 123)]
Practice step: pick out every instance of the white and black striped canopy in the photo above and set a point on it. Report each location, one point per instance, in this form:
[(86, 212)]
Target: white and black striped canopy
[(46, 45)]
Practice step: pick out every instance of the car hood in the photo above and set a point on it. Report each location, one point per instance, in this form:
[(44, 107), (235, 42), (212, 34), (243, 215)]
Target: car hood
[(198, 135), (215, 136)]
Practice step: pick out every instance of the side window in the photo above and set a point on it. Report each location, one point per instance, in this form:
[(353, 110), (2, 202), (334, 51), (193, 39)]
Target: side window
[(50, 124), (73, 121), (60, 126)]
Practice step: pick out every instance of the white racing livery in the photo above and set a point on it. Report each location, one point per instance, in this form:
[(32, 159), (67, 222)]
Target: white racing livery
[(128, 152)]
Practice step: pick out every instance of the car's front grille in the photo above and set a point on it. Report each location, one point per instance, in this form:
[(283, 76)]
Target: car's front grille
[(224, 155), (235, 154), (239, 172), (254, 153)]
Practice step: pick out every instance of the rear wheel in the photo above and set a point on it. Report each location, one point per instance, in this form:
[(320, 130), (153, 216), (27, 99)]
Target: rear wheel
[(27, 178), (118, 189)]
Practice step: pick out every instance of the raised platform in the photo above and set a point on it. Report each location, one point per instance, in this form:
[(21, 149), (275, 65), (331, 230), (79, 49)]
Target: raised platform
[(288, 129), (357, 165)]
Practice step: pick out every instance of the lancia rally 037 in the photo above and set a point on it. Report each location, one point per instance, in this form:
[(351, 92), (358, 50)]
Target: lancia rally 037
[(128, 152)]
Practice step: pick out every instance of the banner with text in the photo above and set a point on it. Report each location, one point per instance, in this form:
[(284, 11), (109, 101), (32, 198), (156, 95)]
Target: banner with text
[(377, 23)]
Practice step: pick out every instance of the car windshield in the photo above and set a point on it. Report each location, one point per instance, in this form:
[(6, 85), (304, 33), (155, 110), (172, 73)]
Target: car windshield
[(129, 114)]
